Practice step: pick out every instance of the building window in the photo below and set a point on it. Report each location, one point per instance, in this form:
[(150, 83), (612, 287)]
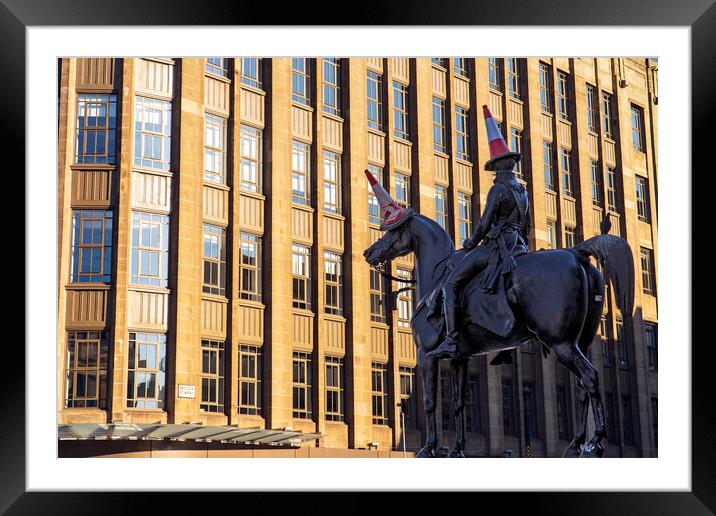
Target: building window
[(374, 92), (214, 260), (545, 87), (607, 354), (150, 249), (627, 421), (439, 61), (549, 179), (218, 66), (96, 128), (562, 96), (251, 159), (651, 346), (335, 395), (464, 216), (250, 378), (152, 133), (448, 419), (250, 267), (612, 189), (642, 199), (331, 182), (551, 234), (637, 128), (566, 162), (402, 190), (214, 149), (513, 78), (251, 73), (408, 403), (301, 276), (301, 80), (494, 73), (405, 299), (146, 370), (91, 246), (611, 417), (378, 291), (459, 66), (462, 135), (570, 236), (516, 146), (508, 407), (86, 370), (400, 111), (596, 173), (472, 402), (333, 283), (529, 402), (300, 181), (332, 85), (302, 385), (564, 418), (212, 376), (439, 132), (621, 344), (373, 206), (591, 108), (655, 420), (441, 215), (608, 121), (379, 374), (647, 271)]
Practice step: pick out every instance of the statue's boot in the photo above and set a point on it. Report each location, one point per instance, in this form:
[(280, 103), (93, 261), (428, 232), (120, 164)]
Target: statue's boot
[(448, 347)]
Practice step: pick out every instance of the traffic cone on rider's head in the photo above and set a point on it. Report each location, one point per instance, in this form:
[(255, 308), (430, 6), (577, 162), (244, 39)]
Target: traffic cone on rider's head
[(498, 146), (393, 214)]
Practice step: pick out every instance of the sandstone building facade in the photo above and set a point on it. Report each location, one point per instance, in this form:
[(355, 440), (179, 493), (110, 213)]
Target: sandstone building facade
[(213, 212)]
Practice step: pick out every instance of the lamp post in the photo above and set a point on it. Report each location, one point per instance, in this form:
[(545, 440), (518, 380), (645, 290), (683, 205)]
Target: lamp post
[(402, 427)]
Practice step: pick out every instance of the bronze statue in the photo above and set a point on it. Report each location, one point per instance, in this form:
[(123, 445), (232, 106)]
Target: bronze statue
[(501, 235), (554, 296)]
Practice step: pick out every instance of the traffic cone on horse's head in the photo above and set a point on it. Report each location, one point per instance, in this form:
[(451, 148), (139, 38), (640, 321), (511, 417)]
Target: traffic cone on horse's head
[(393, 214), (498, 146)]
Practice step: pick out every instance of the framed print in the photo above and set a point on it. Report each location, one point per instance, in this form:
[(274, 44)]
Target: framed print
[(242, 260)]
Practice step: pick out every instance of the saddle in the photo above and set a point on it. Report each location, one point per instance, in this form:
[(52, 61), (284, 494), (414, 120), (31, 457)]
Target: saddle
[(489, 310)]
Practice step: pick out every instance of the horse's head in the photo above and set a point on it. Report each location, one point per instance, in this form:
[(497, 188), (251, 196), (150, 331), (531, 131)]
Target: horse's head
[(396, 242)]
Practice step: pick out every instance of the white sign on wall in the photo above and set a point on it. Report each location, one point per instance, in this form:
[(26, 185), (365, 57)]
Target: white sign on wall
[(186, 391)]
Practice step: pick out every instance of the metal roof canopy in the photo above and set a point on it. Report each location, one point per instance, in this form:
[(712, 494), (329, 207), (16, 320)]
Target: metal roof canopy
[(186, 432)]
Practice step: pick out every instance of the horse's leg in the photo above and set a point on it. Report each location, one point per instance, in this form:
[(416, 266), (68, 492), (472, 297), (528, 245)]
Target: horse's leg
[(575, 447), (428, 368), (572, 358), (459, 382)]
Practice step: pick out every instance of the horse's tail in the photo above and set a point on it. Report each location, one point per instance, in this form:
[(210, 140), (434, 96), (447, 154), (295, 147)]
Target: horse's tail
[(615, 255)]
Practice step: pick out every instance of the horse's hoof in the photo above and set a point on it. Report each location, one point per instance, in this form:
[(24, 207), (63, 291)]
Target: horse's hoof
[(456, 454), (571, 452), (426, 452), (592, 451)]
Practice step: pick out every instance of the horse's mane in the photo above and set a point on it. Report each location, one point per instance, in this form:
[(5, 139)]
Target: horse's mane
[(440, 236)]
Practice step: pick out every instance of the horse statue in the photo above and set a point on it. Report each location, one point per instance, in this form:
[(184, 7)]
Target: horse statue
[(557, 297)]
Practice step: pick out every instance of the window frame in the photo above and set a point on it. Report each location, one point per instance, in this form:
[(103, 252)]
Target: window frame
[(251, 138), (301, 256), (462, 133), (401, 114), (253, 243), (332, 90), (464, 216), (221, 68), (77, 250), (648, 282), (302, 385), (250, 382), (545, 86), (301, 154), (514, 78), (563, 95), (379, 393), (332, 182), (441, 206), (215, 137), (565, 162), (76, 368), (212, 381), (642, 198), (137, 250), (439, 125), (83, 131), (335, 394), (134, 371), (214, 264), (251, 80), (301, 80), (333, 283), (142, 105), (374, 81), (550, 183)]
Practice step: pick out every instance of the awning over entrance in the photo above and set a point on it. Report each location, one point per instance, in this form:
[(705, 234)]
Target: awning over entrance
[(188, 432)]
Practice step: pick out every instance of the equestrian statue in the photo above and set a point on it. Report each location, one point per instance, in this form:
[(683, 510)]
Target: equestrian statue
[(493, 295)]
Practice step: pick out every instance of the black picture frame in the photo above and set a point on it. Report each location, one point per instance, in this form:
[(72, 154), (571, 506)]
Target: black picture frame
[(700, 15)]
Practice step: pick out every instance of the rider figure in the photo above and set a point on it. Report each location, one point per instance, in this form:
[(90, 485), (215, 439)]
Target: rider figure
[(502, 232)]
